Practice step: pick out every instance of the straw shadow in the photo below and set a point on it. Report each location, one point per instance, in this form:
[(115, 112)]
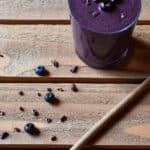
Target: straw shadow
[(119, 117), (138, 58)]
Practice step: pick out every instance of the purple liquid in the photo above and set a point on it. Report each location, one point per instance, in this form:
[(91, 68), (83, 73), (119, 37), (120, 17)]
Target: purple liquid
[(103, 40)]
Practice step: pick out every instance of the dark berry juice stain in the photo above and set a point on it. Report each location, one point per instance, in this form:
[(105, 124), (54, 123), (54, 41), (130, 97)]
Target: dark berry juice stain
[(21, 93), (21, 108), (54, 138), (63, 119), (4, 135), (2, 113), (49, 120), (74, 88), (73, 69), (17, 130), (55, 63), (35, 112)]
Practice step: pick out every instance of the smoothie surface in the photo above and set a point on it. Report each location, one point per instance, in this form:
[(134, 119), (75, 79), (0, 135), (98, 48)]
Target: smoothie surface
[(93, 18)]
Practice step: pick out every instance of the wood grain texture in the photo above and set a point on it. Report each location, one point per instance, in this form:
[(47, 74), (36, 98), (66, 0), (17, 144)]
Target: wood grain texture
[(48, 10), (83, 109), (25, 47)]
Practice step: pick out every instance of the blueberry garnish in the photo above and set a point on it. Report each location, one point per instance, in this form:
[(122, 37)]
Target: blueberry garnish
[(97, 1), (29, 128), (39, 70), (49, 97), (116, 1), (107, 6)]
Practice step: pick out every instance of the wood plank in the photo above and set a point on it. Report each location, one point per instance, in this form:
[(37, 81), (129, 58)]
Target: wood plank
[(48, 10), (83, 109), (25, 47)]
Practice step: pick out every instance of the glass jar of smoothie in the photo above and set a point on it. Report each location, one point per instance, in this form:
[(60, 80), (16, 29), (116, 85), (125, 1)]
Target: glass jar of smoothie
[(102, 29)]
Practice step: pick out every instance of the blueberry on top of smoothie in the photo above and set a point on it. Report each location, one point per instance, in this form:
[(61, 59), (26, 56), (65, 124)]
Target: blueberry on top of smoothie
[(116, 1), (107, 6)]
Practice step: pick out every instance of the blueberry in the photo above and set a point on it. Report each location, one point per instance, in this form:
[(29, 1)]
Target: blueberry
[(116, 1), (39, 70), (29, 128), (97, 1), (107, 6), (49, 97)]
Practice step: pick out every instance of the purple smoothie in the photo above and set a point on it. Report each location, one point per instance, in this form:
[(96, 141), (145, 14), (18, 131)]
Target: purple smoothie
[(102, 37)]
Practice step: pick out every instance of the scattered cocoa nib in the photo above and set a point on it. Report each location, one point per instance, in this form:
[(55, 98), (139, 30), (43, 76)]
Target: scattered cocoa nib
[(49, 89), (4, 135), (21, 108), (55, 63), (39, 94), (2, 113), (95, 13), (54, 138), (74, 88), (63, 119), (1, 55), (35, 112), (73, 69), (21, 93), (49, 120), (87, 2), (60, 89), (17, 130)]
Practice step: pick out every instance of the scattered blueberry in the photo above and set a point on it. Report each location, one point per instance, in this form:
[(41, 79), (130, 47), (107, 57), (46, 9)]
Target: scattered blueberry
[(39, 70), (29, 128), (49, 97)]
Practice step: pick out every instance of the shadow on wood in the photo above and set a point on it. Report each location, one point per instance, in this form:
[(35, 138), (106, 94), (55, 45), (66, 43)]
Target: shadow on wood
[(118, 118), (138, 58)]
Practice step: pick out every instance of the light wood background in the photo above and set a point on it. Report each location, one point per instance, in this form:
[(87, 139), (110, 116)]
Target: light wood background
[(34, 32)]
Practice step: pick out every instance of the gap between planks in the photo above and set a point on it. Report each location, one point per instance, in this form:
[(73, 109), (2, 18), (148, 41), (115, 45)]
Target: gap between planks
[(49, 22), (69, 80)]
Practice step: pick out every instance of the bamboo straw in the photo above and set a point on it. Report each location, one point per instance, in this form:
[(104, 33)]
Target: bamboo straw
[(112, 113)]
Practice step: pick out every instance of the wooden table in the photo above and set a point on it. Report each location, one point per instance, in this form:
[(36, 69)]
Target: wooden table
[(33, 32)]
